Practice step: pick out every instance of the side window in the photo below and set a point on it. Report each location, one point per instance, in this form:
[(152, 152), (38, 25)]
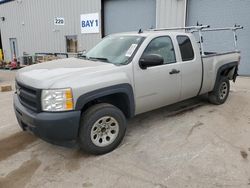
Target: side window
[(161, 46), (186, 48)]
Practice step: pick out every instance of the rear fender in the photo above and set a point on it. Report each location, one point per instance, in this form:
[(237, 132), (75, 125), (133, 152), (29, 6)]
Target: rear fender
[(229, 70)]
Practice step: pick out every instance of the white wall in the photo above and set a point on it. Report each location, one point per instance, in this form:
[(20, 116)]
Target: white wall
[(170, 13), (31, 22)]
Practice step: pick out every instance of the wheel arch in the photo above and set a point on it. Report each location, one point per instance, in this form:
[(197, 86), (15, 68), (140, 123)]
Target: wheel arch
[(120, 95), (229, 70)]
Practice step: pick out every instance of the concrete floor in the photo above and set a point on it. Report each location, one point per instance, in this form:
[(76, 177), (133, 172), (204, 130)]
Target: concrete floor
[(191, 144)]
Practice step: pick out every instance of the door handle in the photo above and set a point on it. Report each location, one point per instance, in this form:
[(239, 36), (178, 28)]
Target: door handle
[(174, 71)]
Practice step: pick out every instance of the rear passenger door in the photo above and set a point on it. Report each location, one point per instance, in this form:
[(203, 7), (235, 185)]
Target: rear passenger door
[(191, 67)]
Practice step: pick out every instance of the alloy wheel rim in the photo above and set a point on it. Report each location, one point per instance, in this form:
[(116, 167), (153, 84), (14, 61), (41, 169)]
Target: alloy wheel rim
[(223, 90), (104, 131)]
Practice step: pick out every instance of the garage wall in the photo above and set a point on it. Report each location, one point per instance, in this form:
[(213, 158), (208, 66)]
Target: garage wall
[(223, 13), (129, 15), (170, 13), (32, 23)]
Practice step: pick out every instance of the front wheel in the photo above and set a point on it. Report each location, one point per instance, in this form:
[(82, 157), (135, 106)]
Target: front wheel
[(103, 127), (221, 91)]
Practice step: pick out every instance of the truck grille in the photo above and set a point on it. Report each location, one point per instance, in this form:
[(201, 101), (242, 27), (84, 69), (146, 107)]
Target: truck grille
[(29, 97)]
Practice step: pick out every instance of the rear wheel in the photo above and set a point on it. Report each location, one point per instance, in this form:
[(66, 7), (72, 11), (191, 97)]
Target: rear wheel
[(103, 127), (221, 91)]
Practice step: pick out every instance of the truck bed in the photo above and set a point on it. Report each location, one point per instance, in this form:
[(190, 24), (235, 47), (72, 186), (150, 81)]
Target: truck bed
[(212, 61)]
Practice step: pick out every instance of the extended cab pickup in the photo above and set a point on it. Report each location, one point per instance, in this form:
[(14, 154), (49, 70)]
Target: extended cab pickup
[(87, 100)]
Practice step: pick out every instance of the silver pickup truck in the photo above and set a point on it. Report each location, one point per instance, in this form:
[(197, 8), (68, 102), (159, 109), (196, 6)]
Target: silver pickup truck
[(88, 100)]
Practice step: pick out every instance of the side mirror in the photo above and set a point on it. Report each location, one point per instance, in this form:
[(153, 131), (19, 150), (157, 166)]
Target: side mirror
[(150, 61)]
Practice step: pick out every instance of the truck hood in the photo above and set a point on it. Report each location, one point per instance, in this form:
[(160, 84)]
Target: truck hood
[(46, 75)]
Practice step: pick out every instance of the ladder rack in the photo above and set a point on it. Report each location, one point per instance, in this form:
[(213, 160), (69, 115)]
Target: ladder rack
[(204, 28), (198, 27)]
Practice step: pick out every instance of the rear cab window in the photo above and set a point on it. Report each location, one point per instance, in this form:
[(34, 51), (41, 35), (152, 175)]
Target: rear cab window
[(186, 48)]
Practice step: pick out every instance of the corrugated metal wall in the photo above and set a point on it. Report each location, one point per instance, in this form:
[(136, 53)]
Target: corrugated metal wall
[(32, 23), (142, 15), (170, 13), (223, 13)]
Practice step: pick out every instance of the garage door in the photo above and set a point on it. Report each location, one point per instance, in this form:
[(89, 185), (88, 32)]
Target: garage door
[(128, 15), (218, 13)]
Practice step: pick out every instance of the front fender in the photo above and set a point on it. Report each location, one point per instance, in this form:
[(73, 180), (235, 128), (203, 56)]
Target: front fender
[(125, 89)]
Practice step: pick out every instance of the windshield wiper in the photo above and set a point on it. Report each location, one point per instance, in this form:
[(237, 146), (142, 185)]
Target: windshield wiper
[(100, 59), (82, 56)]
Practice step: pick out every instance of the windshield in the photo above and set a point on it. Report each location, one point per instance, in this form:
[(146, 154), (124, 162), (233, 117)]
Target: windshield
[(115, 49)]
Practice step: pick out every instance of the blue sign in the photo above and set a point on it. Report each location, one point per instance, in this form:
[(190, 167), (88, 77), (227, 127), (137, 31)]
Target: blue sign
[(90, 23)]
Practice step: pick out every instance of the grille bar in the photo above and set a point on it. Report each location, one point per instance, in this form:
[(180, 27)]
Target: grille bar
[(29, 97)]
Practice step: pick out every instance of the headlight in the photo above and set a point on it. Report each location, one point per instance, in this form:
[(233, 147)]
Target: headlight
[(57, 100)]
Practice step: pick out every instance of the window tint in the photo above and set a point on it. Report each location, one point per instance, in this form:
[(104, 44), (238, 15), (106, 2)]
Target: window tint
[(161, 46), (186, 48)]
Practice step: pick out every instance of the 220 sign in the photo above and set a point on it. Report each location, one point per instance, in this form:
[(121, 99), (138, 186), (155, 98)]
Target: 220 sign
[(59, 21)]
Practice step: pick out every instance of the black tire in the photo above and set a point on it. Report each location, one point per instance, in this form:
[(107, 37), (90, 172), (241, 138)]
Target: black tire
[(89, 120), (221, 91)]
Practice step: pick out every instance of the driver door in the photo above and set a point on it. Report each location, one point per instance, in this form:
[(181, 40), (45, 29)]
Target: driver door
[(158, 86)]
